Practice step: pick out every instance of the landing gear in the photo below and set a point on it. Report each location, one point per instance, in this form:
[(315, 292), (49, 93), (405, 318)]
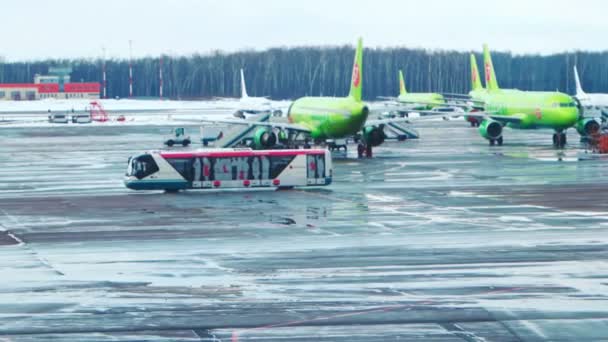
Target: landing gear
[(360, 150), (559, 140), (364, 150), (498, 141)]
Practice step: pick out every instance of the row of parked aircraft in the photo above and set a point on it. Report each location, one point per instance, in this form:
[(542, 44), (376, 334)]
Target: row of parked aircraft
[(490, 108)]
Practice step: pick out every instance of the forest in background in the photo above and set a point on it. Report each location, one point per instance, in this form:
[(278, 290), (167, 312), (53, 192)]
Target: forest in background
[(287, 73)]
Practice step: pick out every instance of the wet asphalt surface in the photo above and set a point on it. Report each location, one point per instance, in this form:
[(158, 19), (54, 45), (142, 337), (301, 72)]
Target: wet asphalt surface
[(439, 239)]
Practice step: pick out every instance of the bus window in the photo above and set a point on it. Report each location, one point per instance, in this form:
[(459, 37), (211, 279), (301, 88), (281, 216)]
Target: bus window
[(255, 168), (278, 164), (265, 167), (183, 166), (320, 165), (315, 166), (197, 170), (222, 169), (240, 169), (142, 166), (207, 173)]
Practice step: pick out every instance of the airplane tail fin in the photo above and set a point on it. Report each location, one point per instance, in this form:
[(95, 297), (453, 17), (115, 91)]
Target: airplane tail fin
[(357, 77), (475, 80), (243, 87), (491, 82), (402, 90), (577, 80)]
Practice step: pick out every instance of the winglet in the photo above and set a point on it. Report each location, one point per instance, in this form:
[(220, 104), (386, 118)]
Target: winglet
[(577, 80), (357, 77), (243, 87), (491, 82), (402, 90), (475, 80)]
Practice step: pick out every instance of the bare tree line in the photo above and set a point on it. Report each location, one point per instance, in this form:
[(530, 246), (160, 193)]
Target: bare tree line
[(285, 73)]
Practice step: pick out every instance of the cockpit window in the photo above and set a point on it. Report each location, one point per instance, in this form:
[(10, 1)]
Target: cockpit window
[(142, 166), (567, 105)]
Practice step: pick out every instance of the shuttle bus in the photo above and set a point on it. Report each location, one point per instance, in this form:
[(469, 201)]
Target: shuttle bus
[(229, 169)]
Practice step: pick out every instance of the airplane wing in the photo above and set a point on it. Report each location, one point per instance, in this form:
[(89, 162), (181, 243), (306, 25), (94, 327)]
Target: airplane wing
[(504, 119)]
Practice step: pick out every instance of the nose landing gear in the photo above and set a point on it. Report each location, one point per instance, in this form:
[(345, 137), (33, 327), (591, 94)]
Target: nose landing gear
[(364, 150), (559, 139), (498, 141)]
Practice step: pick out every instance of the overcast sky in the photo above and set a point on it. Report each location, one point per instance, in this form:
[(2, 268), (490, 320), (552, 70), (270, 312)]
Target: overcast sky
[(79, 28)]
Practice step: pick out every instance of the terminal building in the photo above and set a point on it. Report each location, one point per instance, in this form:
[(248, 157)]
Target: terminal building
[(56, 85)]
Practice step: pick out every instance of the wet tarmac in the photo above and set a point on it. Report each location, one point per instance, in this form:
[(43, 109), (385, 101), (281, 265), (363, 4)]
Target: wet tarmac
[(439, 239)]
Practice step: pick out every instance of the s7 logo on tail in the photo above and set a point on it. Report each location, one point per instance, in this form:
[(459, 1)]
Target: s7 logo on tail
[(356, 75), (488, 76)]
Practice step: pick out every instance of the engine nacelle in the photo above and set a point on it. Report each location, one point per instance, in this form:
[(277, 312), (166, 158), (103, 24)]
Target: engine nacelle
[(587, 127), (264, 138), (374, 136), (490, 129)]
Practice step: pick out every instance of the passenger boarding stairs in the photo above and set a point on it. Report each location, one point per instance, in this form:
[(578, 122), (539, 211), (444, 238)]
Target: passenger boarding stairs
[(236, 133), (400, 131)]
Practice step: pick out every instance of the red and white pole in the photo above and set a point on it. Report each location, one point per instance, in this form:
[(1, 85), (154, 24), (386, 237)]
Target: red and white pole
[(130, 68), (104, 78), (160, 77)]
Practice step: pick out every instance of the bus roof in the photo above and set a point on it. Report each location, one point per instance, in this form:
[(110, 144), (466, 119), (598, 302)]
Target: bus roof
[(236, 153)]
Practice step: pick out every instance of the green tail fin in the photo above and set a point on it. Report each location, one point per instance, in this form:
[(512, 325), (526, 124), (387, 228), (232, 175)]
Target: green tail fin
[(491, 82), (475, 80), (402, 90), (357, 78)]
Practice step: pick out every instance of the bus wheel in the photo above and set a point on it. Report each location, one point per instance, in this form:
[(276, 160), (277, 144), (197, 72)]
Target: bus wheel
[(171, 191), (281, 188)]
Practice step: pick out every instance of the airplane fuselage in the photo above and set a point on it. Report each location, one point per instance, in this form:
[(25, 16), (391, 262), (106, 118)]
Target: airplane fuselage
[(553, 110), (329, 117), (594, 101), (427, 100)]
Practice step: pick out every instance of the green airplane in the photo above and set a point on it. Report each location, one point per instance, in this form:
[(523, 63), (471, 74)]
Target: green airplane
[(421, 101), (520, 109), (322, 119)]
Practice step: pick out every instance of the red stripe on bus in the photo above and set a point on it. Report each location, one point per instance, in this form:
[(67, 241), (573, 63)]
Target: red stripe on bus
[(236, 154)]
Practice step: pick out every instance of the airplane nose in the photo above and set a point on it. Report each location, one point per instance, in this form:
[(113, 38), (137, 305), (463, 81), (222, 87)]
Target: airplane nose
[(365, 111)]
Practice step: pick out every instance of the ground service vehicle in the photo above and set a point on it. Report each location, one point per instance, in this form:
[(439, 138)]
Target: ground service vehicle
[(229, 168)]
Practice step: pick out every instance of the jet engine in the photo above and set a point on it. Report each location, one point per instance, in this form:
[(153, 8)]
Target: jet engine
[(374, 136), (490, 129), (264, 138), (587, 127)]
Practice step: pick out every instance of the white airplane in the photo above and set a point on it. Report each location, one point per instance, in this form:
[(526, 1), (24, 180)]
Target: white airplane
[(594, 103), (253, 105)]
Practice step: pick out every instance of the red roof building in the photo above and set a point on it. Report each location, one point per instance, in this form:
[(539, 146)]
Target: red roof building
[(36, 91)]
